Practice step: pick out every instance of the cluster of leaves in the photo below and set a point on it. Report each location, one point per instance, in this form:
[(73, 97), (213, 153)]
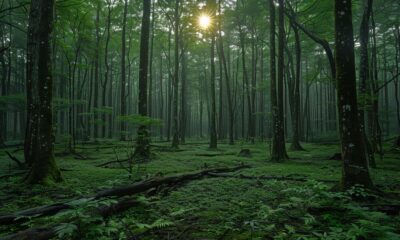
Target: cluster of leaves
[(84, 222)]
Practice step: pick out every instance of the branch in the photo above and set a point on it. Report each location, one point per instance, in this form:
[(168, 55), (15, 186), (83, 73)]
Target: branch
[(318, 40), (20, 164), (387, 82), (23, 4)]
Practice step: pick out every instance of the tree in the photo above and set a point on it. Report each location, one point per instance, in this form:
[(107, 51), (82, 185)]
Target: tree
[(355, 164), (44, 168), (213, 127), (231, 111), (175, 138), (278, 140), (295, 94), (365, 86), (142, 150), (123, 71)]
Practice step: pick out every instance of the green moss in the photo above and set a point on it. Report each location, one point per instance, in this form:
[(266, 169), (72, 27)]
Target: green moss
[(211, 208)]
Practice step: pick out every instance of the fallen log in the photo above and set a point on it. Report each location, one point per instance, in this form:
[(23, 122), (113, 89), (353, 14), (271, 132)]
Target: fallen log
[(154, 182), (40, 233), (135, 188), (25, 215), (44, 233)]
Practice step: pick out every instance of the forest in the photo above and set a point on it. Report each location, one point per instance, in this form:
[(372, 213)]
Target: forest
[(200, 119)]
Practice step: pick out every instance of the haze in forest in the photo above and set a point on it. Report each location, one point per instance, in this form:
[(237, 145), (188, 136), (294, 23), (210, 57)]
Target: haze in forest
[(201, 119)]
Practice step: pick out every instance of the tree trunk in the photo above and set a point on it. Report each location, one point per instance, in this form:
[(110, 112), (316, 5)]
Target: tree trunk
[(96, 72), (296, 94), (44, 168), (228, 87), (106, 72), (364, 76), (278, 142), (142, 151), (150, 100), (123, 128), (246, 85), (175, 138), (355, 163), (183, 96), (213, 130)]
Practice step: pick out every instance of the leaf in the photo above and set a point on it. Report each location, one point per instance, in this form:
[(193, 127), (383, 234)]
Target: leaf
[(66, 229)]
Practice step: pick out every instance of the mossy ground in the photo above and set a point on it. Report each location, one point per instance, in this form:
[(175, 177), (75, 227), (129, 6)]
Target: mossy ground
[(215, 208)]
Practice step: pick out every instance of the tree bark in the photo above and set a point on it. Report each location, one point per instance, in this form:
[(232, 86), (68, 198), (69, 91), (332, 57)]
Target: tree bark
[(142, 151), (296, 146), (278, 142), (123, 128), (96, 71), (175, 138), (355, 164), (213, 130), (44, 168)]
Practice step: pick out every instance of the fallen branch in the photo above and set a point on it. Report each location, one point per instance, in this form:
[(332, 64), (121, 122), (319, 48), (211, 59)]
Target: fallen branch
[(213, 154), (112, 162), (135, 188), (21, 165)]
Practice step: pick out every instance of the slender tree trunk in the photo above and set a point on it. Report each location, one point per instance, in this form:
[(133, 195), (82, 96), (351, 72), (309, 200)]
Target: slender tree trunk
[(296, 96), (123, 128), (364, 76), (150, 101), (175, 139), (3, 87), (278, 143), (106, 72), (96, 71), (246, 86), (169, 89), (376, 131), (161, 110), (213, 130), (355, 163), (142, 151), (228, 87), (184, 99)]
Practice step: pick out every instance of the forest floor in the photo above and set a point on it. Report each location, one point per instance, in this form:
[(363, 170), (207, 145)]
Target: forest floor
[(212, 207)]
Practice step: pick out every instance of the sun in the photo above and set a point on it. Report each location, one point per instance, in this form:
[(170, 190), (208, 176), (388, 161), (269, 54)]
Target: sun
[(204, 21)]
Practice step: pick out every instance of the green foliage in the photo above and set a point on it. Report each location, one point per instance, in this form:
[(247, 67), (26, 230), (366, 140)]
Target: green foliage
[(212, 207)]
